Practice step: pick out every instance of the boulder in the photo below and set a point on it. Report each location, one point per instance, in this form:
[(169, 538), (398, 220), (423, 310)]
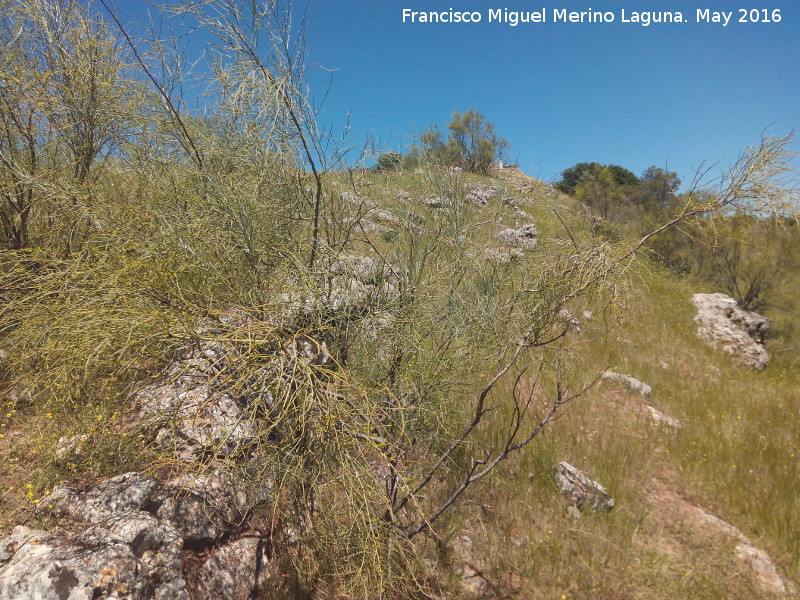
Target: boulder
[(722, 323), (141, 536), (200, 507), (524, 237), (581, 490), (132, 557)]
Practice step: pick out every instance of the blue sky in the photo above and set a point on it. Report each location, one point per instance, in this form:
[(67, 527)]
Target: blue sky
[(673, 95)]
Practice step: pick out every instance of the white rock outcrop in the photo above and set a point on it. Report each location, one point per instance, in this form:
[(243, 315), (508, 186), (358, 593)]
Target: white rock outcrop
[(722, 323), (133, 536), (481, 194), (763, 569), (525, 236)]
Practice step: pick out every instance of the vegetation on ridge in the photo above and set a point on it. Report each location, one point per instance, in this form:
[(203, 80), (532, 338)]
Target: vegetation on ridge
[(396, 354)]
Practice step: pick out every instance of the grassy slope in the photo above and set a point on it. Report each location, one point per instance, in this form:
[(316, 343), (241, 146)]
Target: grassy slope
[(735, 455)]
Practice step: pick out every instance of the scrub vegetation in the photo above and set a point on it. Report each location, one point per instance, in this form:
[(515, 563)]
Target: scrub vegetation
[(412, 377)]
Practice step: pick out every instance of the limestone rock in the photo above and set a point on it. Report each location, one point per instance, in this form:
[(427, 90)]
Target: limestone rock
[(580, 489), (188, 409), (634, 384), (737, 331), (524, 237), (133, 548), (464, 559), (357, 284), (660, 418), (503, 255), (481, 194), (202, 508), (70, 446), (384, 216), (436, 202), (118, 495), (132, 558), (194, 418), (762, 568), (234, 571)]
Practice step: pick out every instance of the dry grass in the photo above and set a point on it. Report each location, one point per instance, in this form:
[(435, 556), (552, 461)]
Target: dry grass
[(177, 266)]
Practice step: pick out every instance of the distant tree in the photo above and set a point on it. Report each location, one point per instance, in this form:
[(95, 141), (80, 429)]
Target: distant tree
[(658, 189), (611, 202), (471, 143), (390, 161), (430, 146), (623, 176), (571, 178)]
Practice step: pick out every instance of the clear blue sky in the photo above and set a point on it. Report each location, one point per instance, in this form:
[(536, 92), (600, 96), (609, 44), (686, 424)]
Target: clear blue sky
[(669, 94), (672, 95)]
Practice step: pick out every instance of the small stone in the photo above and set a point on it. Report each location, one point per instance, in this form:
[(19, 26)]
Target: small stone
[(660, 418), (581, 490), (634, 384), (70, 446)]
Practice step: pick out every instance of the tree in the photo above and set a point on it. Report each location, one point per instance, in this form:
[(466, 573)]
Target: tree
[(471, 143), (571, 177), (658, 190), (600, 191), (390, 161), (62, 104)]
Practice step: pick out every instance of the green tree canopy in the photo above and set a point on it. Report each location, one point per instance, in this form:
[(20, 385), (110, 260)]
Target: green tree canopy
[(658, 188), (471, 143), (571, 178)]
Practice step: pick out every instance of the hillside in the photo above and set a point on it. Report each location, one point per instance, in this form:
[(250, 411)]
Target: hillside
[(338, 404)]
